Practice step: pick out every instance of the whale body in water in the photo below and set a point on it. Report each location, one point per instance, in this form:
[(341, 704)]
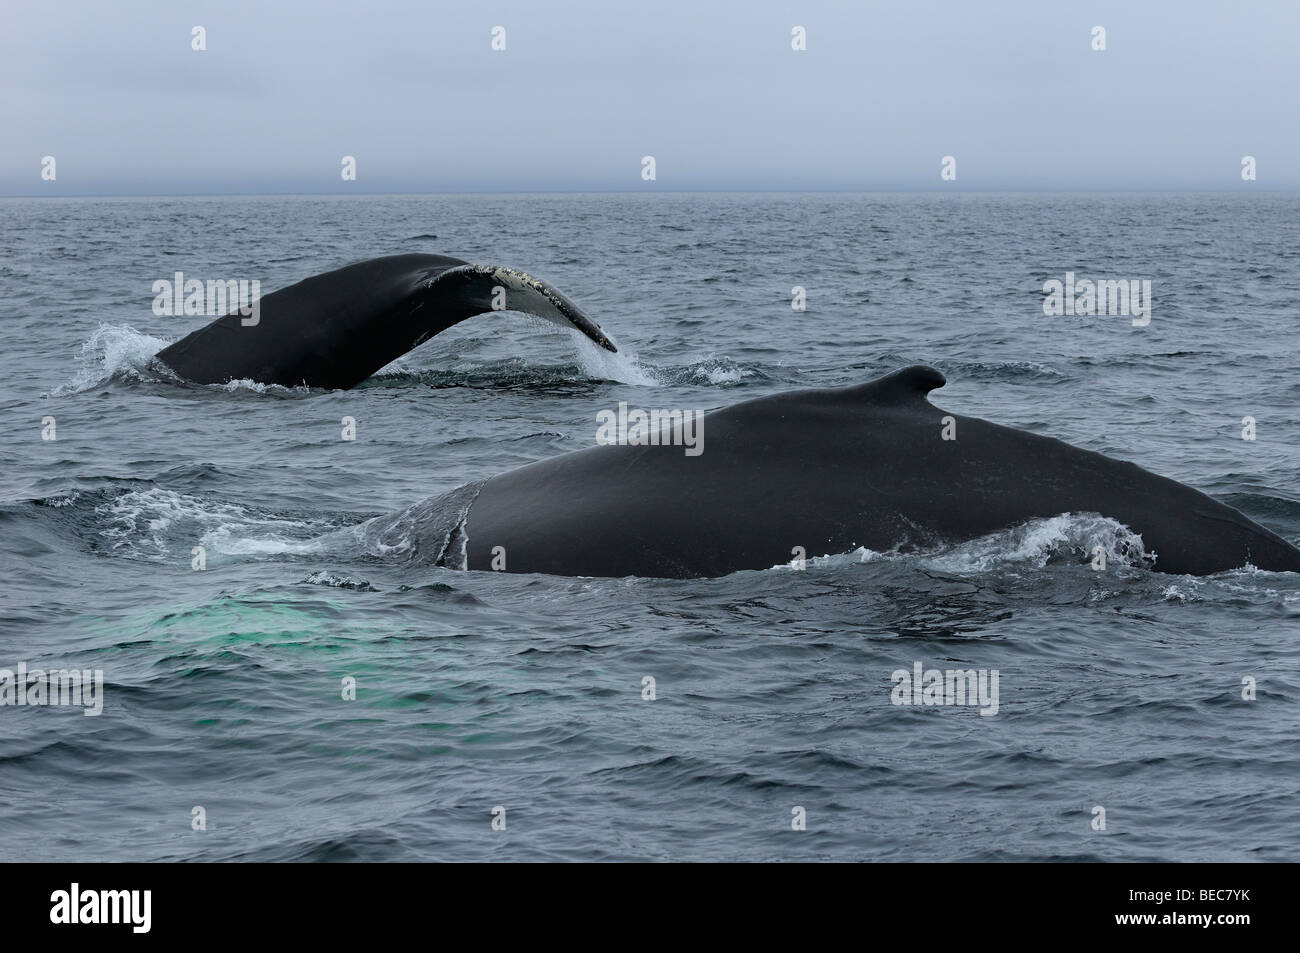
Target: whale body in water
[(335, 329), (826, 471), (815, 471)]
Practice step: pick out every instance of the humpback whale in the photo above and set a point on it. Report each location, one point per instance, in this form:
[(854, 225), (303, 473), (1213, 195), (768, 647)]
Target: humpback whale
[(336, 329), (829, 470)]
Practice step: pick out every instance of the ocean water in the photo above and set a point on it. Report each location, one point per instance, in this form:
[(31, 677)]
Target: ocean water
[(1120, 689)]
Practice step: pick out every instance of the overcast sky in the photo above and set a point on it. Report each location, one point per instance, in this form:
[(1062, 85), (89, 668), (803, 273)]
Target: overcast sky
[(585, 88)]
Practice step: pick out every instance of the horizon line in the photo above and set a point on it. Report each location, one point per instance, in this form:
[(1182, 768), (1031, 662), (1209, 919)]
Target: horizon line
[(1238, 190)]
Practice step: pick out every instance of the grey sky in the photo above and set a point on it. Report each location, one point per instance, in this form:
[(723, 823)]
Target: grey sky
[(713, 90)]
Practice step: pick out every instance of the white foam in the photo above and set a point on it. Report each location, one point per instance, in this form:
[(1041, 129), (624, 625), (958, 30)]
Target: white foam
[(113, 349), (1181, 592), (1033, 544), (245, 383), (334, 580), (833, 560), (232, 540), (151, 522), (61, 501), (1070, 537), (719, 370)]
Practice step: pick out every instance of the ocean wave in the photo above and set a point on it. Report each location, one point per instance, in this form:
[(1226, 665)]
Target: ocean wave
[(1013, 371), (123, 353)]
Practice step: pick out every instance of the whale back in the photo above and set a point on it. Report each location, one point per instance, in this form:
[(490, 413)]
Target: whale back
[(824, 471)]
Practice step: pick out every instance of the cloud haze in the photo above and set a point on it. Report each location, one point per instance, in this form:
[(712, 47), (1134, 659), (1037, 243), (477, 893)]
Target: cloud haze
[(584, 89)]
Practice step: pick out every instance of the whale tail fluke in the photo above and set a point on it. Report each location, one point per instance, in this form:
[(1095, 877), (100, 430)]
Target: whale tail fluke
[(336, 329), (500, 288)]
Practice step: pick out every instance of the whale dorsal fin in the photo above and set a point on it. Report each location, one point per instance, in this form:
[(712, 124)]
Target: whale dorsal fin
[(903, 386)]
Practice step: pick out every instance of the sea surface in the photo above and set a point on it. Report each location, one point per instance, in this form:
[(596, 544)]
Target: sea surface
[(224, 688)]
